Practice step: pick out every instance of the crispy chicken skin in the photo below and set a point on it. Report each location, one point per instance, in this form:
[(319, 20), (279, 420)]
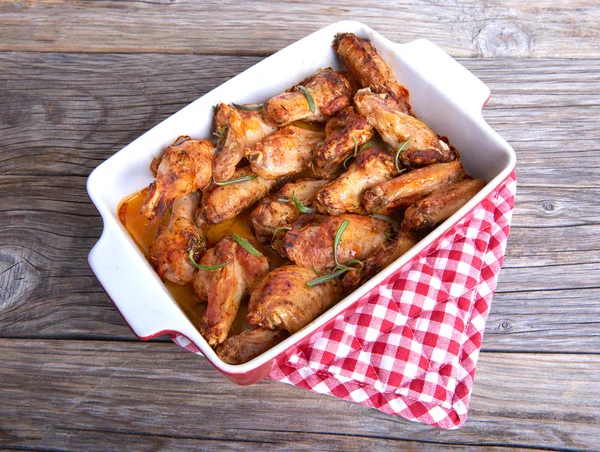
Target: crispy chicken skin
[(440, 204), (395, 127), (344, 194), (368, 67), (407, 188), (344, 131), (278, 211), (310, 243), (331, 91), (239, 129), (285, 152), (185, 167), (220, 203), (170, 249), (249, 344), (381, 258), (224, 288), (283, 300)]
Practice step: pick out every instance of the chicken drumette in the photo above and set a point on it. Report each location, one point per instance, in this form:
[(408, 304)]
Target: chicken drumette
[(186, 166), (421, 145), (237, 129), (170, 250), (330, 91), (223, 288)]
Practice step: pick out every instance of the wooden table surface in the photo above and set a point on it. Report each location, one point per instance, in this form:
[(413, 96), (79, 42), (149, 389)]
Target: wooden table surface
[(80, 80)]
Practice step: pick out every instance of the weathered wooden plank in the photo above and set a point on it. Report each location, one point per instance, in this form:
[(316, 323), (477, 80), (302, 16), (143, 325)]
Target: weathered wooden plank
[(518, 29), (58, 393), (47, 289), (64, 114)]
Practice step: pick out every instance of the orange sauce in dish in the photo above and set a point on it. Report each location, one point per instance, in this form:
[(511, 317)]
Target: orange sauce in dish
[(143, 234)]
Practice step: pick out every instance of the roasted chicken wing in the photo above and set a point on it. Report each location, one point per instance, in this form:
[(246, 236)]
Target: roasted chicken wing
[(330, 91), (310, 243), (440, 204), (283, 300), (185, 167), (223, 288), (170, 249), (344, 194), (345, 132), (380, 259), (407, 188), (285, 152), (421, 145), (276, 214), (237, 129), (249, 344), (368, 67), (220, 203)]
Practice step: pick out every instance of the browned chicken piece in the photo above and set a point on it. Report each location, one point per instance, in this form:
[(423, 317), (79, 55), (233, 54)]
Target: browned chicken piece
[(224, 288), (249, 344), (396, 127), (283, 300), (220, 203), (331, 91), (440, 204), (380, 259), (344, 132), (310, 242), (407, 188), (278, 213), (285, 152), (344, 194), (185, 167), (237, 130), (368, 67), (170, 249)]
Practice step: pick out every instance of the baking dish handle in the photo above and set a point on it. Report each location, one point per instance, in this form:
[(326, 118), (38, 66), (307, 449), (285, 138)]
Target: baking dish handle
[(445, 73), (146, 312)]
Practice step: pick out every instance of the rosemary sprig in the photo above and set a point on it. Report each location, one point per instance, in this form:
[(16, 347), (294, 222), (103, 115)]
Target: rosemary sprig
[(235, 181), (220, 134), (402, 146), (301, 207), (280, 228), (206, 267), (387, 219), (367, 145), (311, 102), (244, 244), (249, 107), (325, 278), (338, 238)]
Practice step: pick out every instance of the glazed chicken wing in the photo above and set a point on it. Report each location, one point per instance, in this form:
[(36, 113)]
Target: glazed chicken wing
[(407, 188), (186, 166), (344, 132), (396, 127), (249, 344), (310, 243), (220, 203), (380, 259), (276, 214), (368, 67), (287, 151), (344, 194), (440, 204), (237, 130), (224, 288), (331, 91), (170, 249), (283, 300)]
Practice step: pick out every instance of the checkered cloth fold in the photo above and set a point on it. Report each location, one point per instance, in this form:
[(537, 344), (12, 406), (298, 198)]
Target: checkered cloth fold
[(410, 349)]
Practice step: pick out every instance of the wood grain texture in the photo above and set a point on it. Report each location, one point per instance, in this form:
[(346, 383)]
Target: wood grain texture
[(467, 28), (71, 388)]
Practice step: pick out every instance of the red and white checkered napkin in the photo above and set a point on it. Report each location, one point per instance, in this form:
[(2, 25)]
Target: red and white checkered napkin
[(411, 349)]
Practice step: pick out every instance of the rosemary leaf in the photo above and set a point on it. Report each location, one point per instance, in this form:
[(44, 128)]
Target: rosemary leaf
[(235, 181), (301, 207), (325, 278), (402, 146), (387, 219), (249, 107), (338, 237), (311, 102), (280, 228), (206, 267), (244, 244)]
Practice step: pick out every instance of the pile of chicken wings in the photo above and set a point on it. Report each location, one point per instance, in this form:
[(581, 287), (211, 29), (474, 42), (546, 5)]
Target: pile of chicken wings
[(338, 207)]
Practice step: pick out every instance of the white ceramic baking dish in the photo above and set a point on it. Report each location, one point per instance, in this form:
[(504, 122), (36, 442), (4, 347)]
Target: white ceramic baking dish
[(443, 94)]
